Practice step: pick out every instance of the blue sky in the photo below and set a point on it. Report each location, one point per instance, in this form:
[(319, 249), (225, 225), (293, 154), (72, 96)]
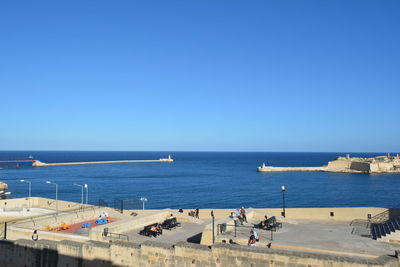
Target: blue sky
[(200, 75)]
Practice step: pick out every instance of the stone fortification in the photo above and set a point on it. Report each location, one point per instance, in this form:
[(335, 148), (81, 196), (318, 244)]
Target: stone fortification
[(3, 186), (68, 253), (381, 164)]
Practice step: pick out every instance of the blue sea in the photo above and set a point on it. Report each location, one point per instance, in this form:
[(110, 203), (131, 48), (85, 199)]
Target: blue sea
[(201, 179)]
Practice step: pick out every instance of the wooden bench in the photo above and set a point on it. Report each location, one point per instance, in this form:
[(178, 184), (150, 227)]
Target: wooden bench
[(272, 224), (170, 223)]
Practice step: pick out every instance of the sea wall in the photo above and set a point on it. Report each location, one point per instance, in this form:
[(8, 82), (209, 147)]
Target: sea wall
[(68, 253)]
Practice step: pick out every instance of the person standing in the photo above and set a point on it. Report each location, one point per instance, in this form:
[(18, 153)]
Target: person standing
[(243, 214), (197, 211)]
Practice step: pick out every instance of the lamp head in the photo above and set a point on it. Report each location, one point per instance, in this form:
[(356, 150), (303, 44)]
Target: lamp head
[(86, 186), (48, 182), (22, 180), (283, 188)]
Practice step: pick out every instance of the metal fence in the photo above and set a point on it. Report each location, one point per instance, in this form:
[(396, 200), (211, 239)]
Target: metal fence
[(122, 204)]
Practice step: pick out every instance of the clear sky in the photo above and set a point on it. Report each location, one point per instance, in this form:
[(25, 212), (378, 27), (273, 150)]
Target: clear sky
[(200, 75)]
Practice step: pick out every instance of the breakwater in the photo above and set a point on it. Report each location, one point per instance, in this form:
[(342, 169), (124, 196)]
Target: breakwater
[(38, 163), (379, 164)]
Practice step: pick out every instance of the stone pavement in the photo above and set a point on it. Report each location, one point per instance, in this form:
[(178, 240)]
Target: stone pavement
[(189, 232), (316, 236)]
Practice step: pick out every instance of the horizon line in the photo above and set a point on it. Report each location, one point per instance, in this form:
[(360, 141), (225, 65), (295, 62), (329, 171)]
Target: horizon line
[(196, 151)]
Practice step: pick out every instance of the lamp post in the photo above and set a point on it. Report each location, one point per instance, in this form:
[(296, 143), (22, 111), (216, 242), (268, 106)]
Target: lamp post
[(49, 182), (30, 190), (283, 188), (81, 186), (213, 227), (30, 186), (87, 193), (143, 199)]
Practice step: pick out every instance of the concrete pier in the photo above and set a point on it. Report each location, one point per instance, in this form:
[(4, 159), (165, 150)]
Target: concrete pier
[(38, 163), (291, 169)]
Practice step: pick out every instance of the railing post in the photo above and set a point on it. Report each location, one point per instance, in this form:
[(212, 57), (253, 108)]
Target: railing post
[(5, 230)]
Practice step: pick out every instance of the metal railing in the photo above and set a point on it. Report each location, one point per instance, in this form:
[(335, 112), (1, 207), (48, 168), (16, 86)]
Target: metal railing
[(115, 236), (221, 229)]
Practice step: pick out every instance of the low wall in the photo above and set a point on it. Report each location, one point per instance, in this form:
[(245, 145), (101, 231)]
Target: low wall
[(139, 222), (15, 233), (323, 214), (68, 253), (37, 202)]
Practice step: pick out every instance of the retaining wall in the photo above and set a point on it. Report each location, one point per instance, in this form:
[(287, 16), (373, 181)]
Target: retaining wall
[(68, 253)]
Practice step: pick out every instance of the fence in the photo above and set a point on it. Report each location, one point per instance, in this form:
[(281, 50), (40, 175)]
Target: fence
[(122, 204), (222, 229)]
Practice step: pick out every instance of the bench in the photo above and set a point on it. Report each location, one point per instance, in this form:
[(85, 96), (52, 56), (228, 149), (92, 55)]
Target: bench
[(148, 232), (272, 224), (170, 223)]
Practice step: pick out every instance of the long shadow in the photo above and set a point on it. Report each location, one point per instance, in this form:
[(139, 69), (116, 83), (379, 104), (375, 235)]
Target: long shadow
[(195, 239)]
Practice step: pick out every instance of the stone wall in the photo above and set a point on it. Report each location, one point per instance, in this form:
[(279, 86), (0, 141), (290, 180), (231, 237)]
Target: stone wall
[(360, 166), (68, 253)]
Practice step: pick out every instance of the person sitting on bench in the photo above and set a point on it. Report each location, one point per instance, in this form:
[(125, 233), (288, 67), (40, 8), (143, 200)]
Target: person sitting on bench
[(154, 229)]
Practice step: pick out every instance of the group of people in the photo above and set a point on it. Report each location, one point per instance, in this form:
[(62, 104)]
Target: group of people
[(239, 214), (194, 213)]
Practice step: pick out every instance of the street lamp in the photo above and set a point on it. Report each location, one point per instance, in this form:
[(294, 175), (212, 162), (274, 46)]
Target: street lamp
[(87, 193), (81, 186), (49, 182), (29, 182), (283, 188), (143, 199)]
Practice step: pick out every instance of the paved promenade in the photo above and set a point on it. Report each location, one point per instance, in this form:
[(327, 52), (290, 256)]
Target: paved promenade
[(316, 236)]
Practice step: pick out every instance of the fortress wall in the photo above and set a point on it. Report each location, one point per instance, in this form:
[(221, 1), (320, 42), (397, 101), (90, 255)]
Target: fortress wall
[(67, 253), (360, 166), (381, 167), (338, 165)]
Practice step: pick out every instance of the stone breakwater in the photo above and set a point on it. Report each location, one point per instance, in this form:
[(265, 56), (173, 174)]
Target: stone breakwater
[(381, 164), (38, 163)]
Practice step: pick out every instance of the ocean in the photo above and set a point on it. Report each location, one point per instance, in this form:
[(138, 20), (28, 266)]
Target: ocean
[(201, 179)]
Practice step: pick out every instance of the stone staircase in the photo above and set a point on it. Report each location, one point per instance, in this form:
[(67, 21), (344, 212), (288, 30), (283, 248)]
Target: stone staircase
[(384, 227), (386, 231)]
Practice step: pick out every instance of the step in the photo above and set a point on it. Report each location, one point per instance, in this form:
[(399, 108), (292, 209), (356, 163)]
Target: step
[(373, 233), (377, 231), (391, 226), (387, 228), (382, 230), (396, 223)]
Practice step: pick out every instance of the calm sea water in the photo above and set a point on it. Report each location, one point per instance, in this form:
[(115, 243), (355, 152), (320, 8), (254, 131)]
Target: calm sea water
[(202, 179)]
